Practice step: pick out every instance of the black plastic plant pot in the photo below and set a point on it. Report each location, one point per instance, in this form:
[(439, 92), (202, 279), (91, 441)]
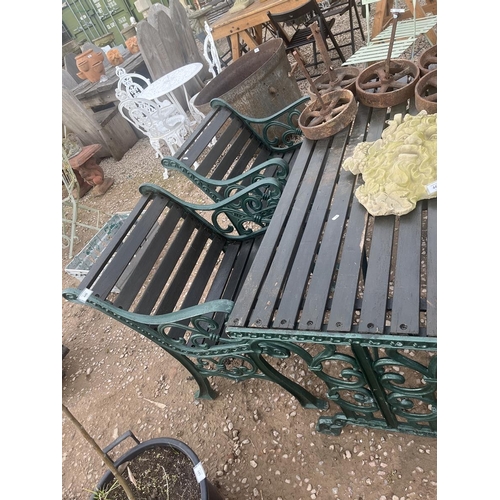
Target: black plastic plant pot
[(207, 490)]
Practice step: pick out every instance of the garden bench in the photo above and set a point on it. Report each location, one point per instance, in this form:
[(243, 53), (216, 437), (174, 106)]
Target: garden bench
[(173, 269)]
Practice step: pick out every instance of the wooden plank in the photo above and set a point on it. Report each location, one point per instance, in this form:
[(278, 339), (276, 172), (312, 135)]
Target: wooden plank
[(182, 274), (196, 143), (296, 285), (250, 289), (346, 285), (218, 149), (81, 121), (116, 132), (406, 300), (138, 276), (110, 249), (320, 283), (432, 268), (129, 247), (376, 288), (177, 244), (279, 268)]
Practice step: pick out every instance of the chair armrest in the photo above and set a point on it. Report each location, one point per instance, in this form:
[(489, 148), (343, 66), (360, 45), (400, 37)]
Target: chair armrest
[(198, 320), (218, 190), (285, 120), (247, 210)]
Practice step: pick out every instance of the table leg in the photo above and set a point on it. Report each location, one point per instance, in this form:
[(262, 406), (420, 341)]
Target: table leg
[(235, 46), (249, 40), (180, 108)]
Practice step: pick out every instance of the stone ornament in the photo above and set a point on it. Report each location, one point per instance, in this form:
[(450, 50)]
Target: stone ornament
[(114, 57), (400, 168), (132, 45)]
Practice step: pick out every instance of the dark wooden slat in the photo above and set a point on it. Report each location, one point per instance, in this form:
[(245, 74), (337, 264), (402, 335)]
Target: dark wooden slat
[(313, 310), (115, 242), (346, 286), (432, 268), (138, 276), (406, 302), (129, 247), (155, 286), (201, 138), (217, 151), (182, 274), (375, 293), (231, 155), (231, 272), (207, 266), (198, 284), (299, 273), (246, 297), (225, 267), (320, 283), (279, 268)]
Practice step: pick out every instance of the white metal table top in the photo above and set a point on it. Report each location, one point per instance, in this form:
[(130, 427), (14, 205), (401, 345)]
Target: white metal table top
[(171, 81)]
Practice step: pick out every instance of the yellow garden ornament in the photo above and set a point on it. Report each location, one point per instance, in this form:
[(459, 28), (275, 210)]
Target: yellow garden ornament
[(400, 168)]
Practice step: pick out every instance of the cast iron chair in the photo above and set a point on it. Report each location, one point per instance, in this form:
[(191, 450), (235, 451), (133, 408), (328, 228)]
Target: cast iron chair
[(294, 28), (156, 123), (131, 85)]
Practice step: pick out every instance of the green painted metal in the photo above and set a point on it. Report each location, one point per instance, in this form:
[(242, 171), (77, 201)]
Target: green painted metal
[(280, 131), (381, 384), (86, 20), (252, 204)]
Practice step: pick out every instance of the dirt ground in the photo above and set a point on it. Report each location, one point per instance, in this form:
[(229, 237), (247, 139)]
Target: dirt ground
[(255, 441)]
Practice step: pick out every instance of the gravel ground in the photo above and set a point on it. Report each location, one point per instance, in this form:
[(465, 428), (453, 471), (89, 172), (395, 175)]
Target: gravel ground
[(254, 440)]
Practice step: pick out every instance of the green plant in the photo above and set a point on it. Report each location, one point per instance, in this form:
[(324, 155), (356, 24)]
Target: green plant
[(104, 494)]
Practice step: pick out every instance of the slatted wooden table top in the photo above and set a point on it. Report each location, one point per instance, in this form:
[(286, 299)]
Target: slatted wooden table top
[(327, 266)]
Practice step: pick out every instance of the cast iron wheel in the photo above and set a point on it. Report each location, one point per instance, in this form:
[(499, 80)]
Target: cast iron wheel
[(378, 89), (428, 60), (426, 93), (318, 122), (345, 79)]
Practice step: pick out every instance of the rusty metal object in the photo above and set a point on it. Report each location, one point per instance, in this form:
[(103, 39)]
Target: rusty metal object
[(328, 115), (388, 82), (345, 78), (378, 89), (333, 78), (428, 60), (426, 93)]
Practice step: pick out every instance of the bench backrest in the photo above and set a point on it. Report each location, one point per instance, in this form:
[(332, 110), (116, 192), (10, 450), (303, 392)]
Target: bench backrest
[(226, 143)]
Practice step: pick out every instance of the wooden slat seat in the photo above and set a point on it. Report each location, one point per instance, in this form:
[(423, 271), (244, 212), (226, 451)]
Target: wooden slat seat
[(174, 269)]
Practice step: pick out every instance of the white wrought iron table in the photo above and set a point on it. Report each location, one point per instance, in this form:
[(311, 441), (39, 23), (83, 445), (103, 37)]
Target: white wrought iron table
[(166, 85)]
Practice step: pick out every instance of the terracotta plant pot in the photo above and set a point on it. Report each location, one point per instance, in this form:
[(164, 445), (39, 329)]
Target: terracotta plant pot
[(114, 57), (132, 45), (91, 65)]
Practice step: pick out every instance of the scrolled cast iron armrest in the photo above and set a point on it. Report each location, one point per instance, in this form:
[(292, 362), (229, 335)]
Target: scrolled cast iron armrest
[(201, 325), (250, 205), (227, 187), (270, 124)]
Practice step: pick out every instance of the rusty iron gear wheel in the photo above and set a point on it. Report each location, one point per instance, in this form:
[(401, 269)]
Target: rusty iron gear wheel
[(426, 93), (428, 60), (318, 122), (378, 89), (345, 79)]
